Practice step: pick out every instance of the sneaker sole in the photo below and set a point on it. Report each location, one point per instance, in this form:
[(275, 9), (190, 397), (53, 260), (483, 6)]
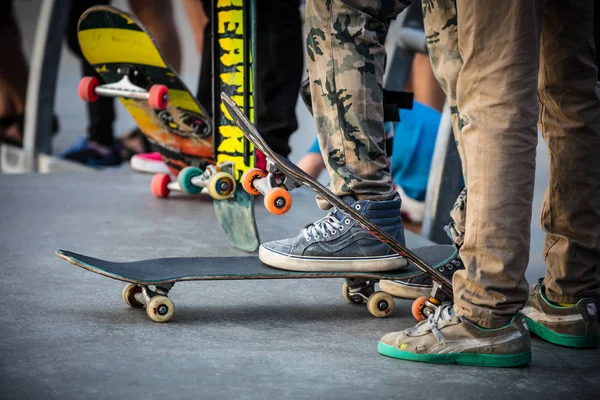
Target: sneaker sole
[(482, 360), (330, 264), (150, 167), (404, 290), (562, 339)]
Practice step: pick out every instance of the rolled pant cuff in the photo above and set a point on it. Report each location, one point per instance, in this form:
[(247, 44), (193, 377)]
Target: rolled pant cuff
[(487, 321)]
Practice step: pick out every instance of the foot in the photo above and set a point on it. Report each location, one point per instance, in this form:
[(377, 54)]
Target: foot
[(571, 326), (447, 338), (134, 143), (421, 284), (149, 162), (338, 243), (93, 154)]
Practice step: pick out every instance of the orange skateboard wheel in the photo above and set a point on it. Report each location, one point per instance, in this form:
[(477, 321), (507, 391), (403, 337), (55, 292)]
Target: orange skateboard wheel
[(159, 185), (158, 97), (87, 89), (249, 177), (417, 308), (278, 201)]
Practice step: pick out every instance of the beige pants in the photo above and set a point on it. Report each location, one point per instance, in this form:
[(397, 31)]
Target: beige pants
[(508, 67)]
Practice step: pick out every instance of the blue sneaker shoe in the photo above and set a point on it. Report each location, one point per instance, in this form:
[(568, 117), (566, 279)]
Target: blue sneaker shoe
[(338, 243), (93, 155)]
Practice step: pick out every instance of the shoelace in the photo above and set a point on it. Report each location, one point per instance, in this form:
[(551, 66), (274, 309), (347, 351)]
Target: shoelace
[(442, 314), (328, 223)]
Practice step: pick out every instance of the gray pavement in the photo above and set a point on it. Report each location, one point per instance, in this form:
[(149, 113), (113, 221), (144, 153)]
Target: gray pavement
[(67, 334)]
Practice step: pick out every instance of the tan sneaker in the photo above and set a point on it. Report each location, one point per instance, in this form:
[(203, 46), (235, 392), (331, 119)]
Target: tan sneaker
[(447, 338), (575, 326)]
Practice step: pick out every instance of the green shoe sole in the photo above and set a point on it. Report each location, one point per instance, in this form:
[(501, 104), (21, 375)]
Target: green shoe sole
[(482, 360), (562, 339)]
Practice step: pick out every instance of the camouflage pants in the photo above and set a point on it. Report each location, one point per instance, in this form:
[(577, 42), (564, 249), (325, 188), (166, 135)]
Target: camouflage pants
[(345, 65), (507, 66)]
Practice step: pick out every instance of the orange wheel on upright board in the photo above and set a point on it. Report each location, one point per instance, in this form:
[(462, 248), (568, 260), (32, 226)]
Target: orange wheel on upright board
[(278, 201), (249, 177)]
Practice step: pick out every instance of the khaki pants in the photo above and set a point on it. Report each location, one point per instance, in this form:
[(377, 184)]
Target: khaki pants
[(507, 66)]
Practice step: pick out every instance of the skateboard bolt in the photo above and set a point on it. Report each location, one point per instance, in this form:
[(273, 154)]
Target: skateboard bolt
[(280, 203), (162, 310), (383, 305)]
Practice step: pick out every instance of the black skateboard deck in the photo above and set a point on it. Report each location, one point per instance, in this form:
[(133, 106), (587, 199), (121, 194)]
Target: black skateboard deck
[(163, 273)]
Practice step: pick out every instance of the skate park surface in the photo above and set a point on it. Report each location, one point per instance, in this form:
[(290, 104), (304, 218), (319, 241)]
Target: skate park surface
[(67, 334)]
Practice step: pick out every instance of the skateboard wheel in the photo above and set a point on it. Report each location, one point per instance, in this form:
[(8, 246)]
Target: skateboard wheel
[(87, 89), (248, 180), (380, 304), (221, 186), (417, 308), (158, 97), (160, 309), (184, 178), (278, 201), (128, 295), (351, 299), (160, 185)]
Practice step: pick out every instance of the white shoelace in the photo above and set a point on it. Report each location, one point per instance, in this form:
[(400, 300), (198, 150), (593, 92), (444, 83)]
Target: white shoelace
[(442, 314), (329, 224)]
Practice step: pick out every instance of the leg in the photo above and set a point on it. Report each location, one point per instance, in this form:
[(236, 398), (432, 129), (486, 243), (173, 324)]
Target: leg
[(424, 84), (498, 154), (157, 16), (198, 19), (497, 44), (348, 107), (279, 62), (14, 73), (346, 100), (570, 123), (101, 114)]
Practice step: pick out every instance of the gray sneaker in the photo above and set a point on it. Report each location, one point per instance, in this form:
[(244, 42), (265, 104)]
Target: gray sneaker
[(574, 326), (338, 243)]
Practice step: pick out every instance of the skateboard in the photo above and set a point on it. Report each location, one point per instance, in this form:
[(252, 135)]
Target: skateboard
[(149, 281), (233, 34), (233, 74), (133, 69), (282, 176)]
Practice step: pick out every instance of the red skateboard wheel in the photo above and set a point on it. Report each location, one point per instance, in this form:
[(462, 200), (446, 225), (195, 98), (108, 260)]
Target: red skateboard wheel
[(159, 185), (158, 97), (87, 89)]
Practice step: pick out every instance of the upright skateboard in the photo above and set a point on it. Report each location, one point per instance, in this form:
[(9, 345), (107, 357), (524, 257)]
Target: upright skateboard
[(132, 68), (283, 176), (233, 41), (149, 281)]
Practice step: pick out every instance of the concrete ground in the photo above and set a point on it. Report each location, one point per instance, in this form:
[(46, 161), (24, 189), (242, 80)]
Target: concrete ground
[(67, 334)]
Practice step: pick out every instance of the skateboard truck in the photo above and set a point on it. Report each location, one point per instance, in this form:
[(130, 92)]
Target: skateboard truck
[(218, 179), (358, 291), (158, 305), (273, 184), (90, 89)]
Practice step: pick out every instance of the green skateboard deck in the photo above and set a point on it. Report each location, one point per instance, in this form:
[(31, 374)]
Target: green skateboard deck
[(233, 34), (163, 273)]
